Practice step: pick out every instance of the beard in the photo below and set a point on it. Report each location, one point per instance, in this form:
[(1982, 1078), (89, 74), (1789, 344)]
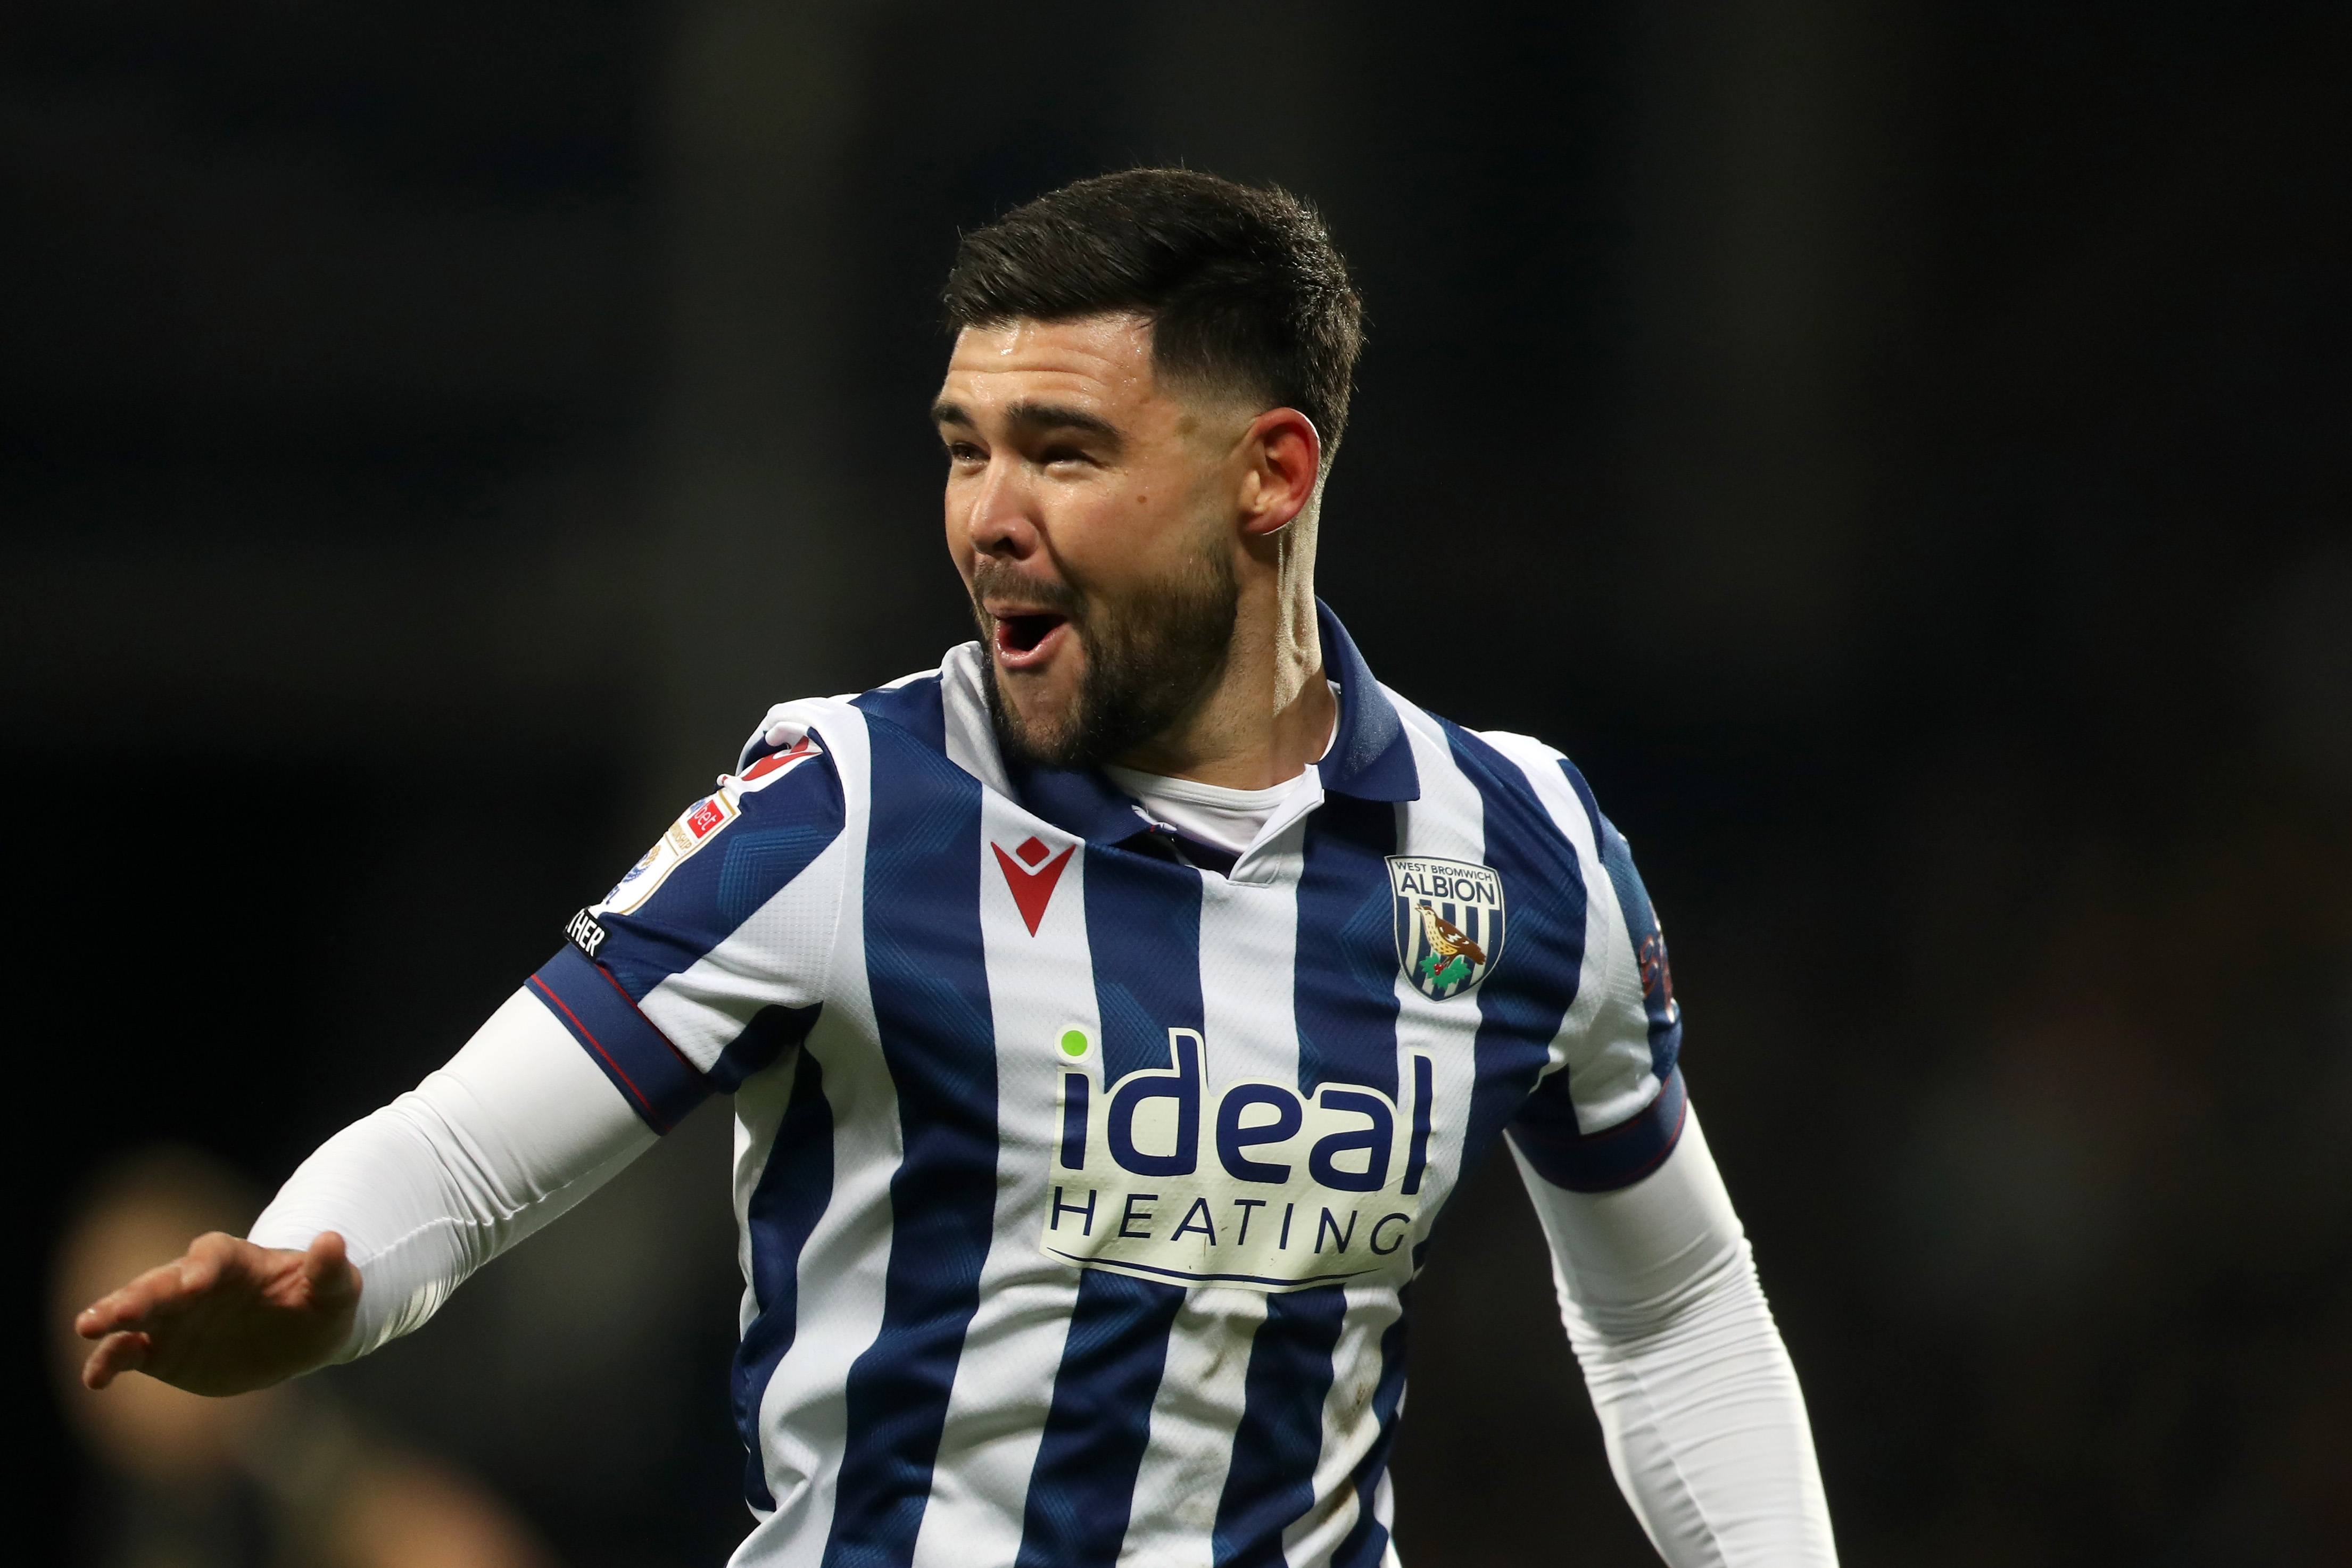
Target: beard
[(1150, 658)]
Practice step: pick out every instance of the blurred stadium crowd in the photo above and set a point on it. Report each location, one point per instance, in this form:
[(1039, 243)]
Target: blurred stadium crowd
[(1904, 451)]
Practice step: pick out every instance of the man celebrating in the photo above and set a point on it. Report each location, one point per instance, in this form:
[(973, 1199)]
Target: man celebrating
[(1110, 1012)]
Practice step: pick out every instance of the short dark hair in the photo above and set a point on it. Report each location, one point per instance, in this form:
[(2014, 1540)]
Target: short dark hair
[(1241, 284)]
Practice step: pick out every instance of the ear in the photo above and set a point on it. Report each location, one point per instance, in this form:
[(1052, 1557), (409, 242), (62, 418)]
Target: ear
[(1284, 458)]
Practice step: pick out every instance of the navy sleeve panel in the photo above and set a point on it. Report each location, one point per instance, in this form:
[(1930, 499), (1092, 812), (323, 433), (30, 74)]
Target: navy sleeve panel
[(1545, 1132), (659, 1084)]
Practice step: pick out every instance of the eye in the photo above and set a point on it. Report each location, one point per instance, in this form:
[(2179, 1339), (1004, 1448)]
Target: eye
[(964, 455), (1052, 456)]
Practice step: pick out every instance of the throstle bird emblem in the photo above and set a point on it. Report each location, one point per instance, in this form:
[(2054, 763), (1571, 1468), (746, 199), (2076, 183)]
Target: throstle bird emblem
[(1449, 922), (1448, 949)]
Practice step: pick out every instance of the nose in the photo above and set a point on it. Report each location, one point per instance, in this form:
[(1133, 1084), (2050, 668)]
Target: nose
[(1003, 521)]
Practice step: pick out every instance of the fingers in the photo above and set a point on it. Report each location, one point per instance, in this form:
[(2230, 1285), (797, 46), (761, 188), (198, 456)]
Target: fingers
[(326, 1255), (327, 1270), (116, 1353), (165, 1287), (132, 1303), (100, 1317), (200, 1268)]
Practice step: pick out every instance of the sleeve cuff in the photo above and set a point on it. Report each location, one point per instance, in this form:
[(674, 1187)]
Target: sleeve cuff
[(1604, 1161), (659, 1084)]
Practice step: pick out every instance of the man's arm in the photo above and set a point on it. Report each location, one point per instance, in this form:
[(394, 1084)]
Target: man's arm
[(1699, 1406), (375, 1230)]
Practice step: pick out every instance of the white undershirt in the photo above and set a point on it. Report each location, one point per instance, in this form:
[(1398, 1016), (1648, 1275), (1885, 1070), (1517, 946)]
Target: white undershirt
[(1229, 820)]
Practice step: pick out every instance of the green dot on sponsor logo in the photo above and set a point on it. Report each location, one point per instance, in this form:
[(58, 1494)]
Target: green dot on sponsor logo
[(1074, 1042)]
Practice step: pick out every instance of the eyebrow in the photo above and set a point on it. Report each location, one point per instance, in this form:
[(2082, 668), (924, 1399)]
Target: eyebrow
[(1035, 417)]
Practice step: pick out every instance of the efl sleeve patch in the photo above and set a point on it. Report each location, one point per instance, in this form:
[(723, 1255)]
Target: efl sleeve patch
[(700, 823)]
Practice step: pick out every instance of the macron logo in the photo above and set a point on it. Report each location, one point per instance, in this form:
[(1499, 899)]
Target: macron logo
[(1031, 883)]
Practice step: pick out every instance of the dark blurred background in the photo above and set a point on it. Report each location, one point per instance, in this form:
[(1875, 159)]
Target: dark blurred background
[(1904, 451)]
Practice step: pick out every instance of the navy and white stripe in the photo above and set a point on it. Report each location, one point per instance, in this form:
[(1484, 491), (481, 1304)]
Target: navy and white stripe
[(1080, 1176)]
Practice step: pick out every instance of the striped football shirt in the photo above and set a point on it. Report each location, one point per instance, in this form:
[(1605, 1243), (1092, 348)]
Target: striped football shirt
[(1081, 1167)]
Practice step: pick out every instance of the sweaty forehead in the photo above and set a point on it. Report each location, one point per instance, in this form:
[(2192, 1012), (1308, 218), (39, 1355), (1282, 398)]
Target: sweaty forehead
[(1100, 359)]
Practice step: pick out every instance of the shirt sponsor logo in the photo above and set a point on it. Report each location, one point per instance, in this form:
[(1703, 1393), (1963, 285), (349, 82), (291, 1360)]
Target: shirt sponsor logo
[(1252, 1184), (1449, 922)]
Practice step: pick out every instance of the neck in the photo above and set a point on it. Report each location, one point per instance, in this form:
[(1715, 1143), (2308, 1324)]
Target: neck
[(1269, 715)]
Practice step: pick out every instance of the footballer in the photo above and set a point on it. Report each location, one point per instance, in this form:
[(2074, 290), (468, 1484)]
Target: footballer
[(1109, 1013)]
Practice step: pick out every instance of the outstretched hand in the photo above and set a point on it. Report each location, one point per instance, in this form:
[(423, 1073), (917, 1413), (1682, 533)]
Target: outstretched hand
[(226, 1318)]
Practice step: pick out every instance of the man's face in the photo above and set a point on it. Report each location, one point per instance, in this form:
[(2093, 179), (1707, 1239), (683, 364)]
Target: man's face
[(1091, 512)]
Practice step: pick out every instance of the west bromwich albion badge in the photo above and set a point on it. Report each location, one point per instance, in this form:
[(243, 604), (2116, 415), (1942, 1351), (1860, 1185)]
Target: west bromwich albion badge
[(1449, 922)]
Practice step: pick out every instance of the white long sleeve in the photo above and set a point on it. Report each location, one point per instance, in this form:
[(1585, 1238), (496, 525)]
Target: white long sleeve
[(1699, 1404), (514, 1130)]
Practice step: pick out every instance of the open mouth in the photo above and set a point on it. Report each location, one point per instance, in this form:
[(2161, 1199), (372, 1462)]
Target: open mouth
[(1028, 638)]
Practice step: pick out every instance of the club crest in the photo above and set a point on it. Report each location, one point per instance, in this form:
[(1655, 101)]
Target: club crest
[(1449, 922)]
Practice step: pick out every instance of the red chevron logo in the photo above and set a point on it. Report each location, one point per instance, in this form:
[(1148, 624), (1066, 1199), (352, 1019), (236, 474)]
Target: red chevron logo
[(1031, 883)]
